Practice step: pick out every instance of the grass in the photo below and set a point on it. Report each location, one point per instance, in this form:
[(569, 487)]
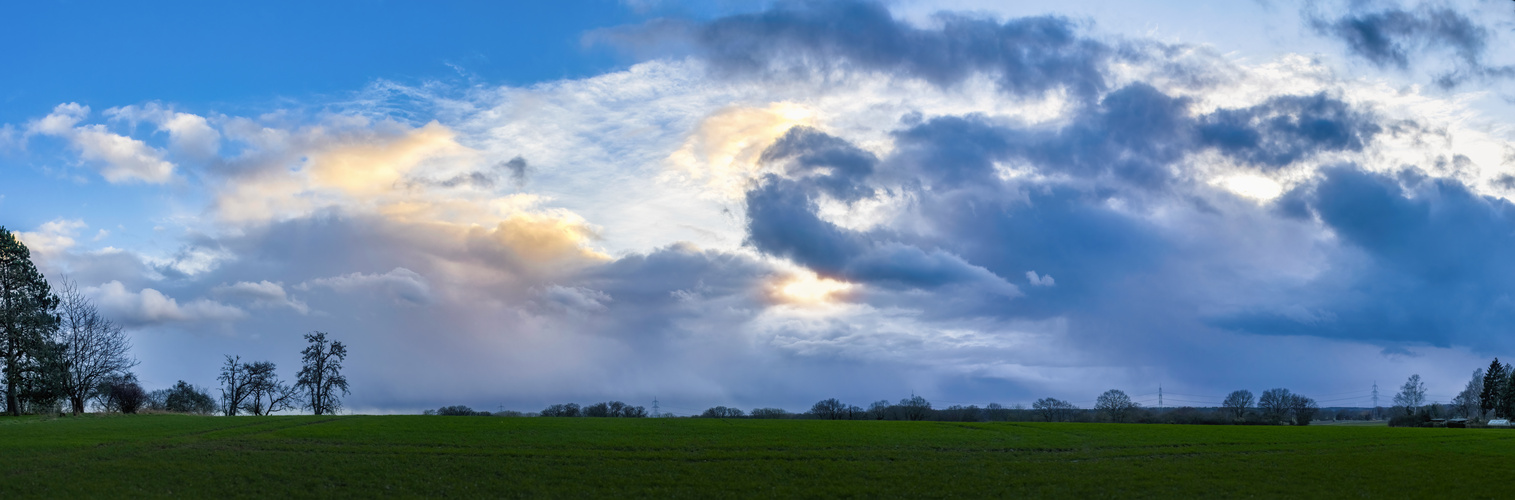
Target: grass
[(161, 455)]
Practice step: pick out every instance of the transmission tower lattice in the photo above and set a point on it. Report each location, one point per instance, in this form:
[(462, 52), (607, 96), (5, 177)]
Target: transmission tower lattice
[(655, 413), (1375, 400)]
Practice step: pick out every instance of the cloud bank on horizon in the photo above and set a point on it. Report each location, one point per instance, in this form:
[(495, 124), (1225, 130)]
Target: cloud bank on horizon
[(829, 199)]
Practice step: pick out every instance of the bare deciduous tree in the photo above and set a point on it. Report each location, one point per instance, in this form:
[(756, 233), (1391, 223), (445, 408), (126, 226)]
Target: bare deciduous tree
[(1275, 404), (915, 408), (321, 376), (1053, 409), (1412, 394), (236, 385), (829, 409), (879, 410), (1115, 404), (1467, 402), (267, 394), (1302, 409), (1237, 403), (722, 412), (769, 413), (94, 347)]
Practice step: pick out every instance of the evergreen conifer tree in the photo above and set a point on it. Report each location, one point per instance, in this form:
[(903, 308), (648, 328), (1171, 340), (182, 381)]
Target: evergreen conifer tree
[(27, 319)]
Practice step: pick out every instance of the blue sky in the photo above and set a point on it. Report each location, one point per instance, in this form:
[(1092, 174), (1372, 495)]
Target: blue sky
[(248, 55), (758, 204)]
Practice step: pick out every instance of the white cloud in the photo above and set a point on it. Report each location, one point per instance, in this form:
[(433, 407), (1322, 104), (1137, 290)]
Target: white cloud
[(61, 121), (52, 238), (119, 158), (149, 306), (193, 260), (1040, 280)]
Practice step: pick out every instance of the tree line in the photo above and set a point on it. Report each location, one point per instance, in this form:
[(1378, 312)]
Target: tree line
[(58, 349), (1276, 406)]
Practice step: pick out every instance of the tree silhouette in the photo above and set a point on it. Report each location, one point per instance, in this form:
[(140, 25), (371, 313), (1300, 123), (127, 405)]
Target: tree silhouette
[(321, 376)]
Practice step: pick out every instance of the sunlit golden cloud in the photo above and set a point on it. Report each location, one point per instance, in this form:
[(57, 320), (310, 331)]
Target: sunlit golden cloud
[(723, 151)]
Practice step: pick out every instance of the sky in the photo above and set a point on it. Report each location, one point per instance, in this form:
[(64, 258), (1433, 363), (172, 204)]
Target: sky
[(758, 204)]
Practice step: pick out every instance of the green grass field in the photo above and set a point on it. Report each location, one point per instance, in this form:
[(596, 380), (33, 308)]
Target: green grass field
[(159, 455)]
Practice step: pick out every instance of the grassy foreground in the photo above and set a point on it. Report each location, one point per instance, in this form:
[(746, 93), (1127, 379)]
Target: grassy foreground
[(158, 455)]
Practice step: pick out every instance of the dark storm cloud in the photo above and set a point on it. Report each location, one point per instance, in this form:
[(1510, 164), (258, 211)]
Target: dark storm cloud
[(1028, 55), (782, 221), (834, 165), (1285, 129), (986, 228), (1389, 37), (1396, 37), (1437, 267), (517, 168), (1136, 134)]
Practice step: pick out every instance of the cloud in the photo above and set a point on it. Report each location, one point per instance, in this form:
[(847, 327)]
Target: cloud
[(148, 306), (783, 221), (52, 238), (189, 134), (372, 167), (1430, 269), (1030, 55), (835, 165), (1286, 129), (262, 294), (726, 148), (1398, 37), (120, 158), (403, 285), (517, 168), (354, 162), (1177, 194), (578, 299)]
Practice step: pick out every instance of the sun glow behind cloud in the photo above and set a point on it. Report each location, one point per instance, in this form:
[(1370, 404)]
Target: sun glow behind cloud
[(808, 288), (1252, 186)]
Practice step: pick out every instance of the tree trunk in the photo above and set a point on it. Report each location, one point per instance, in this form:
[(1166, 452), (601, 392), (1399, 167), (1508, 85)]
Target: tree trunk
[(10, 375)]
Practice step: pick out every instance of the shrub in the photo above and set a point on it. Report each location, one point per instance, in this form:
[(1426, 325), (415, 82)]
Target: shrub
[(186, 398), (129, 397), (1421, 419)]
